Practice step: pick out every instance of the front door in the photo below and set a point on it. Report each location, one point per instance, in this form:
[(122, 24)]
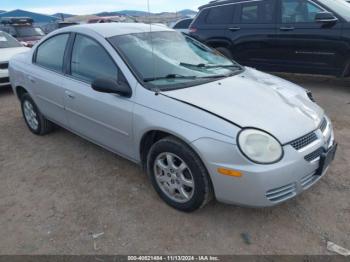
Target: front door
[(103, 118), (304, 45)]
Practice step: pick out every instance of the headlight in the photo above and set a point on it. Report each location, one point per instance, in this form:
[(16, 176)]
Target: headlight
[(259, 146)]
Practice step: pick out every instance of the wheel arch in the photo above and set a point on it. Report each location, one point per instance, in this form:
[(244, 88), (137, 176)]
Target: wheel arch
[(151, 137), (219, 42), (346, 68), (20, 91)]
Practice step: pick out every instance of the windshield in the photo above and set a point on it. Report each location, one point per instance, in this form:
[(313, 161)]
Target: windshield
[(28, 31), (169, 60), (7, 41), (340, 7)]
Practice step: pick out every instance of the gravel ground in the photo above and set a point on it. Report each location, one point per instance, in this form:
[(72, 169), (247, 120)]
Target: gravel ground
[(58, 190)]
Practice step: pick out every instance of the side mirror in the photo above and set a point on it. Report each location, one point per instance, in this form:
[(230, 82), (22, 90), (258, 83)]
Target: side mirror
[(325, 17), (111, 86)]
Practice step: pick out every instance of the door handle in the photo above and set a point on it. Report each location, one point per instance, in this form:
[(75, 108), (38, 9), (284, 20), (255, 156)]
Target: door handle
[(235, 28), (69, 95), (287, 28)]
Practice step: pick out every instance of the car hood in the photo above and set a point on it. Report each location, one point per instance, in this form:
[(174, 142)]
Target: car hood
[(259, 100), (7, 53)]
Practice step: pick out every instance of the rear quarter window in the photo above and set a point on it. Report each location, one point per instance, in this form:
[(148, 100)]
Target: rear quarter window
[(184, 24)]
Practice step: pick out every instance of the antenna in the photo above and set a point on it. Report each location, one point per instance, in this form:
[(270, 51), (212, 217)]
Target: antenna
[(151, 37)]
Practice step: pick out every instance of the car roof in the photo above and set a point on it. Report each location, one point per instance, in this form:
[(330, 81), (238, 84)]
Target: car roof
[(113, 29), (224, 2)]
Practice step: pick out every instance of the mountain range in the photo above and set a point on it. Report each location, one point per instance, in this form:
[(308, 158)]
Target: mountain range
[(60, 15), (185, 12)]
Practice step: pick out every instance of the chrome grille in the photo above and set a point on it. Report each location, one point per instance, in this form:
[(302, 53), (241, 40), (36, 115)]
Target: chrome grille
[(314, 155), (281, 193), (324, 124), (304, 141)]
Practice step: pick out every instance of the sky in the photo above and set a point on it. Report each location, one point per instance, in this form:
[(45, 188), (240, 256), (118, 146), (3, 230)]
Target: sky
[(90, 7)]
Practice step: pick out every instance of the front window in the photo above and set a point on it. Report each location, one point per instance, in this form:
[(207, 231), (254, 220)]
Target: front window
[(340, 7), (7, 41), (170, 60), (90, 61), (27, 31), (299, 11)]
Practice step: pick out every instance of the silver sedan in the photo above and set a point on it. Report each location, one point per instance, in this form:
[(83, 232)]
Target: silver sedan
[(201, 125)]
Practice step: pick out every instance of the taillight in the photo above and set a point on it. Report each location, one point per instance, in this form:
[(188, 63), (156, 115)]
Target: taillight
[(193, 30)]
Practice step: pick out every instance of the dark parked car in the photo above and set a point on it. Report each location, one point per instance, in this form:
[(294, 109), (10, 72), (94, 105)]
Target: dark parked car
[(22, 29), (300, 36)]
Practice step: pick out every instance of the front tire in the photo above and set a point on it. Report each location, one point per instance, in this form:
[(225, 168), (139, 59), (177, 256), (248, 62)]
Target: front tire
[(178, 175), (35, 121)]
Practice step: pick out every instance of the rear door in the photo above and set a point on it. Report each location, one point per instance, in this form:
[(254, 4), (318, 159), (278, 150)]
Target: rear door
[(252, 33), (46, 77), (212, 24), (304, 45)]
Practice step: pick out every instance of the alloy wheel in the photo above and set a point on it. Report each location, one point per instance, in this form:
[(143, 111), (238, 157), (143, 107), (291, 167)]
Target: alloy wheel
[(174, 177)]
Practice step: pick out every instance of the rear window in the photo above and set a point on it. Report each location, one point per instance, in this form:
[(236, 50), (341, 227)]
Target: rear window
[(220, 15), (50, 53), (28, 31), (184, 24)]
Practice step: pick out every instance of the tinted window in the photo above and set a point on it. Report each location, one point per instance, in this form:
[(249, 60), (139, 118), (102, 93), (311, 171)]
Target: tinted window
[(299, 11), (50, 54), (250, 13), (27, 31), (184, 24), (258, 12), (220, 15), (91, 61)]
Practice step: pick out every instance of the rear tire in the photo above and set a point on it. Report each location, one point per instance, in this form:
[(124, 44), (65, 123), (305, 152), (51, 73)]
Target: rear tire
[(225, 51), (35, 121), (178, 175)]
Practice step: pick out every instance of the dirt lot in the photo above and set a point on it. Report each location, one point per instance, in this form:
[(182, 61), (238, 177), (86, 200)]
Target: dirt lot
[(58, 190)]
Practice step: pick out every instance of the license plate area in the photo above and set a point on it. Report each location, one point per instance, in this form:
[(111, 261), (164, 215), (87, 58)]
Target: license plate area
[(326, 159)]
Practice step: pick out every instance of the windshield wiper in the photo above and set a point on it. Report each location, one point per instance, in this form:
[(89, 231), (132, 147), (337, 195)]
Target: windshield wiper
[(210, 66), (214, 76), (170, 76)]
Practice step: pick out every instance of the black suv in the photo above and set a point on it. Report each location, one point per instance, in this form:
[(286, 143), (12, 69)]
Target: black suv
[(300, 36)]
